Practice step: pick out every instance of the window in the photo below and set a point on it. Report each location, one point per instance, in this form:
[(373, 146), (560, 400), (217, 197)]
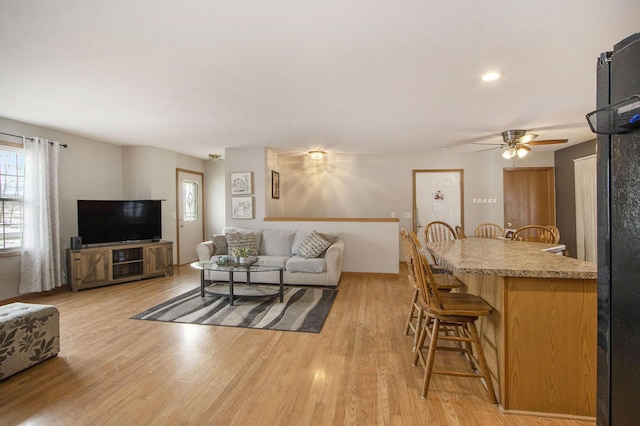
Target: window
[(191, 207), (11, 196)]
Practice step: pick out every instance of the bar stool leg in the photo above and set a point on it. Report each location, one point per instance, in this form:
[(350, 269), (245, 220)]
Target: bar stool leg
[(430, 358), (483, 363)]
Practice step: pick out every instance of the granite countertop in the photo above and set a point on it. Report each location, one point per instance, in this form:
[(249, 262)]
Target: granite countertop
[(510, 259)]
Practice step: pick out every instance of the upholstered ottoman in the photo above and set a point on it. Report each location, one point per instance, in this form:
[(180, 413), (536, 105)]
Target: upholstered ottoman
[(29, 334)]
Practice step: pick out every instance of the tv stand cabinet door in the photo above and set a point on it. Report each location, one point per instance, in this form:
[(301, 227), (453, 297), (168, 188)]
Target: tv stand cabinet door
[(89, 268), (158, 259)]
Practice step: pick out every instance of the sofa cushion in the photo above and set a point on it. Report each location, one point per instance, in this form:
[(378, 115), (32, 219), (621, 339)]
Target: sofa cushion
[(277, 242), (219, 244), (313, 246), (300, 264), (238, 240), (272, 260)]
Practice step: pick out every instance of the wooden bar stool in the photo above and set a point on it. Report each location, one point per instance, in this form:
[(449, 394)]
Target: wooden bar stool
[(414, 317), (535, 233), (439, 231), (444, 281), (449, 317), (488, 230)]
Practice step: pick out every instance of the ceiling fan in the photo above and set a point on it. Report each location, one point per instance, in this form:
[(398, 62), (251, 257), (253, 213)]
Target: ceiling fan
[(518, 142)]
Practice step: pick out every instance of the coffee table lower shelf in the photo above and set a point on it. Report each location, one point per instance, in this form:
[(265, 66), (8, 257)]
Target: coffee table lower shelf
[(242, 289), (232, 288)]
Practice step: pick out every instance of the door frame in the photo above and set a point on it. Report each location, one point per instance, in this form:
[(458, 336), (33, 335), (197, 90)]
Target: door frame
[(416, 171), (202, 204)]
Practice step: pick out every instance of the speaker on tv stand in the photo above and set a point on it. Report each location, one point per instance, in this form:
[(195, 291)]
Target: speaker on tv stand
[(76, 243)]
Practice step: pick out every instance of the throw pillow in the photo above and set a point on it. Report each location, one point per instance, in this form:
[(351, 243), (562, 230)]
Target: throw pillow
[(298, 240), (313, 246), (302, 235), (219, 244), (331, 238), (240, 240)]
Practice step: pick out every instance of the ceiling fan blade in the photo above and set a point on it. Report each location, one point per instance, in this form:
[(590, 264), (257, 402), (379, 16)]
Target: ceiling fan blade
[(488, 149), (547, 142), (484, 143), (527, 138)]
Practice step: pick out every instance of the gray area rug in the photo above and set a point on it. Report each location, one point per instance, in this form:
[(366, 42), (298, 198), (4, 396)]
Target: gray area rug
[(303, 309)]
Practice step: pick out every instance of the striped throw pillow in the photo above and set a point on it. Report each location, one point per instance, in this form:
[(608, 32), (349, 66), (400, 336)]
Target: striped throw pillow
[(242, 239), (313, 246)]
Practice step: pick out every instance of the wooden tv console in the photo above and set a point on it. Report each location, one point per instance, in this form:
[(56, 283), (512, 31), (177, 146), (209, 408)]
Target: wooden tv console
[(118, 263)]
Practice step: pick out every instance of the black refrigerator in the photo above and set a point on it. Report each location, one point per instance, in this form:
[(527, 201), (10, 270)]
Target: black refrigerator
[(616, 121)]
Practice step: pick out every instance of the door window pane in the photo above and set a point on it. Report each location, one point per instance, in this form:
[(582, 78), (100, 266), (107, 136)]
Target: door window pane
[(191, 203)]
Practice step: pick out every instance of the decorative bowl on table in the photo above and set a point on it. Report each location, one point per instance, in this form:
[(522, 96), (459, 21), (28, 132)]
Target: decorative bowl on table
[(246, 261), (225, 261)]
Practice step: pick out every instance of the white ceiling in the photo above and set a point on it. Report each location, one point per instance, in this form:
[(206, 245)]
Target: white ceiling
[(360, 76)]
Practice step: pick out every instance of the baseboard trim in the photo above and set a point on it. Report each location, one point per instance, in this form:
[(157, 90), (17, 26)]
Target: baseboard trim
[(369, 274), (24, 297)]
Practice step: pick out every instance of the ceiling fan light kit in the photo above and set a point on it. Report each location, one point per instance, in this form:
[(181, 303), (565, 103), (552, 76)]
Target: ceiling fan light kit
[(522, 151), (509, 153), (518, 142)]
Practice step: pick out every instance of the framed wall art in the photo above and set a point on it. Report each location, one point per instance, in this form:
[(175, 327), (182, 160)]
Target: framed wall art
[(275, 184), (242, 207), (242, 183)]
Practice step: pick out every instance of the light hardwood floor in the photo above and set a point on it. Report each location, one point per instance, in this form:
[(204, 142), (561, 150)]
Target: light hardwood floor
[(113, 370)]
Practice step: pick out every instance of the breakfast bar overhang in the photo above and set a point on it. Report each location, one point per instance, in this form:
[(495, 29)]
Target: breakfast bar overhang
[(540, 339)]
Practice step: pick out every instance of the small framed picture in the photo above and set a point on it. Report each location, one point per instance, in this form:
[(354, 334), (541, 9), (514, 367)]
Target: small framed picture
[(242, 183), (242, 207), (275, 184)]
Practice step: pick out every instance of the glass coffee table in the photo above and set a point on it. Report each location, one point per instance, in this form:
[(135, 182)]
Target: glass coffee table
[(238, 289)]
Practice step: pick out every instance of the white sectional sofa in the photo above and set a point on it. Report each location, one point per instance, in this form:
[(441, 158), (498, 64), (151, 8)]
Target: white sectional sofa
[(280, 247)]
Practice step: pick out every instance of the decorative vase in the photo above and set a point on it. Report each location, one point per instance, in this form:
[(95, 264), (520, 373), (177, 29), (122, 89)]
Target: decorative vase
[(243, 260)]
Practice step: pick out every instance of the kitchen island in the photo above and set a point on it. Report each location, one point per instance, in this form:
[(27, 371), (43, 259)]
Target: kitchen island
[(540, 339)]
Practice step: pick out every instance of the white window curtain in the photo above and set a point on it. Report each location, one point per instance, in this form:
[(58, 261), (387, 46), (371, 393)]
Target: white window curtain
[(585, 172), (41, 260)]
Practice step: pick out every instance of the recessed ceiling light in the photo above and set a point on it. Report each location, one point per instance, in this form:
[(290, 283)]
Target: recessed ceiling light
[(490, 76)]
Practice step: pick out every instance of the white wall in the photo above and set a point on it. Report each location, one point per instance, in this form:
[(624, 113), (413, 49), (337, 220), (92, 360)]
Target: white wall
[(368, 186), (214, 197), (369, 246), (365, 186), (273, 206), (247, 160), (150, 173), (91, 169), (371, 186)]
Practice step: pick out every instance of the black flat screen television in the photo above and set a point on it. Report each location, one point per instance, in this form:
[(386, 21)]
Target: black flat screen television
[(110, 221)]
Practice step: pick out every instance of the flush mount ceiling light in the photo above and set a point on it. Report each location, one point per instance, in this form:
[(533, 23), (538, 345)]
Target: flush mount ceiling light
[(215, 157), (317, 155), (490, 76)]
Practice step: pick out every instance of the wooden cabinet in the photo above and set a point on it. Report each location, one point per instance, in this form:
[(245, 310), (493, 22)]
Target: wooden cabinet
[(118, 263)]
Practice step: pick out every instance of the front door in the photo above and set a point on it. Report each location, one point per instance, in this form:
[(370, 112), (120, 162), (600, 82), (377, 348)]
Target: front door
[(437, 195), (529, 197), (190, 214)]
